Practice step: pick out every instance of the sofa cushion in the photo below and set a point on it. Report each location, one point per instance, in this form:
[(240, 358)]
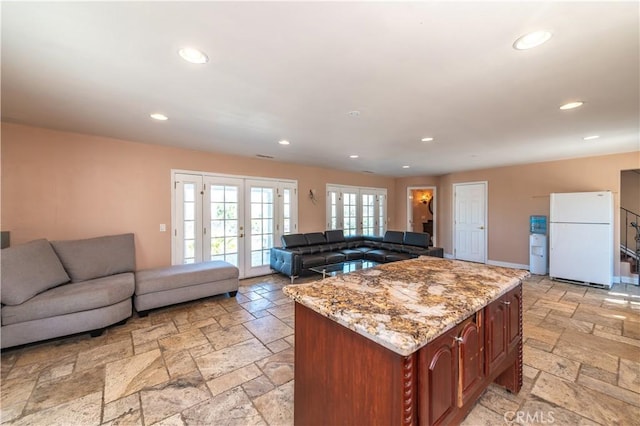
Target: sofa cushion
[(394, 257), (293, 240), (334, 236), (352, 254), (395, 237), (334, 257), (416, 239), (315, 238), (171, 277), (71, 298), (415, 250), (311, 260), (378, 255), (29, 269), (97, 257), (337, 246), (391, 247), (312, 249)]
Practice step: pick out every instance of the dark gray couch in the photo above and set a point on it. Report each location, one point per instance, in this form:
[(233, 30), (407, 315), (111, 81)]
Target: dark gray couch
[(299, 252), (52, 289)]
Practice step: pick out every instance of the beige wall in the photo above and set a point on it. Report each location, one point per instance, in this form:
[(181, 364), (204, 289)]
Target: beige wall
[(61, 185), (401, 201), (517, 192)]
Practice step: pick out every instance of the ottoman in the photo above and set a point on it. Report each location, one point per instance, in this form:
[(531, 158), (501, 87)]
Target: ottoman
[(181, 283)]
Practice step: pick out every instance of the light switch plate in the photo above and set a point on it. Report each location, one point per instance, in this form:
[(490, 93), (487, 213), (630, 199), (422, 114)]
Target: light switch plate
[(163, 227)]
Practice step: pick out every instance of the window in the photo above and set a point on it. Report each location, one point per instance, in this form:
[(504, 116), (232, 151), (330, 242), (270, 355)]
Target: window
[(350, 213), (357, 211), (368, 216)]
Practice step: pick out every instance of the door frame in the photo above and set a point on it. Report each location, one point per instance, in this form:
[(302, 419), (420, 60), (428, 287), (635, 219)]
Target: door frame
[(244, 178), (486, 216), (434, 206)]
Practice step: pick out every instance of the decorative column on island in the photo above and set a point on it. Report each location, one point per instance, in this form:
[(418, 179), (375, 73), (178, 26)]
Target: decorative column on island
[(405, 343)]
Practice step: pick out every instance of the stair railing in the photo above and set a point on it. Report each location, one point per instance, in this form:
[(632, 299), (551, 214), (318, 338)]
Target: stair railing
[(631, 219)]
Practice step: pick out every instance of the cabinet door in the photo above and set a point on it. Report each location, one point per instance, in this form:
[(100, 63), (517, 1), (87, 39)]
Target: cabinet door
[(513, 302), (470, 360), (437, 388), (496, 334)]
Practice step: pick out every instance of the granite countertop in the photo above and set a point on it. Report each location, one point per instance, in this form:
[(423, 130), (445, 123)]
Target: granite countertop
[(404, 305)]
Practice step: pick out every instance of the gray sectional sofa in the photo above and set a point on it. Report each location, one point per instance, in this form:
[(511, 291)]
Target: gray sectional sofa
[(299, 252), (52, 289)]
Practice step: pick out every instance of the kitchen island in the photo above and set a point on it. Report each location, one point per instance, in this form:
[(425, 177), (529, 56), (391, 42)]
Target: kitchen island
[(405, 343)]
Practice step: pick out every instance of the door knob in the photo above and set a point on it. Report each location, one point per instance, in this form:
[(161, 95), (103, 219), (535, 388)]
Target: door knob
[(482, 227)]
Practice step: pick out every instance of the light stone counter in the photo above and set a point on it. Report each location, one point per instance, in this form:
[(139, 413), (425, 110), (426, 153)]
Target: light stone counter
[(404, 305)]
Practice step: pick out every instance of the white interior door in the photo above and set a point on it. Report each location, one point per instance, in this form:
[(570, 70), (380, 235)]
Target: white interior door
[(470, 229)]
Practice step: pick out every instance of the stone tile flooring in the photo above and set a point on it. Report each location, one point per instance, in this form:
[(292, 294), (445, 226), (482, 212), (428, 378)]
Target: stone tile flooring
[(223, 361)]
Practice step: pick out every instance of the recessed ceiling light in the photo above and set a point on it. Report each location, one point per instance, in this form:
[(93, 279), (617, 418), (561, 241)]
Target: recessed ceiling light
[(283, 142), (590, 138), (428, 139), (354, 156), (572, 105), (158, 116), (531, 40), (405, 167), (192, 55)]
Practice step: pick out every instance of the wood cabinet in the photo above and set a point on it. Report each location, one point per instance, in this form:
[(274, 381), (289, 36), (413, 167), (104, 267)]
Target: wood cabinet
[(454, 366), (503, 327), (470, 359), (343, 378), (437, 389)]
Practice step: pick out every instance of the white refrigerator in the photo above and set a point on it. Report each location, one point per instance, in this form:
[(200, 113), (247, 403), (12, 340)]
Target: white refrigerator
[(581, 237)]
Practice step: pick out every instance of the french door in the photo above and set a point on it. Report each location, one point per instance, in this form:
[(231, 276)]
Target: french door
[(470, 212), (234, 219), (357, 211)]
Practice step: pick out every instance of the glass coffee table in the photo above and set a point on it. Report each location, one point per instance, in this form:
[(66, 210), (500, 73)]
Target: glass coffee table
[(334, 269)]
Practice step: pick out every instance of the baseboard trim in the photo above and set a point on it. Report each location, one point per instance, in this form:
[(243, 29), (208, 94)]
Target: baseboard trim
[(496, 263), (508, 264), (626, 280)]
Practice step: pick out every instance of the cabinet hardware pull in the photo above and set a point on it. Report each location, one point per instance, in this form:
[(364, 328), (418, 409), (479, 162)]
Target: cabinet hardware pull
[(458, 339), (506, 302)]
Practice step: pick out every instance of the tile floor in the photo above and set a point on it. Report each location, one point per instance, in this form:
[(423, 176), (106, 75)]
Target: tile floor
[(224, 361)]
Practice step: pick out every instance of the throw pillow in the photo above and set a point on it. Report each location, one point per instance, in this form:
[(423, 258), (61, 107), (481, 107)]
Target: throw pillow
[(96, 257), (29, 269)]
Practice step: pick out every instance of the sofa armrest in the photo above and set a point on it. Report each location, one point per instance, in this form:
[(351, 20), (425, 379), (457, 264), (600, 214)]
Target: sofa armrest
[(285, 261)]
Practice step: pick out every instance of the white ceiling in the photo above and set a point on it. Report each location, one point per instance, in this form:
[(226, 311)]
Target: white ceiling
[(294, 70)]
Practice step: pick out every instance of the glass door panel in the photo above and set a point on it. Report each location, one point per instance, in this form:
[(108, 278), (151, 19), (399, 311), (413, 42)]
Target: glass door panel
[(381, 222), (188, 219), (368, 214), (350, 213), (261, 232), (334, 210), (223, 210)]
